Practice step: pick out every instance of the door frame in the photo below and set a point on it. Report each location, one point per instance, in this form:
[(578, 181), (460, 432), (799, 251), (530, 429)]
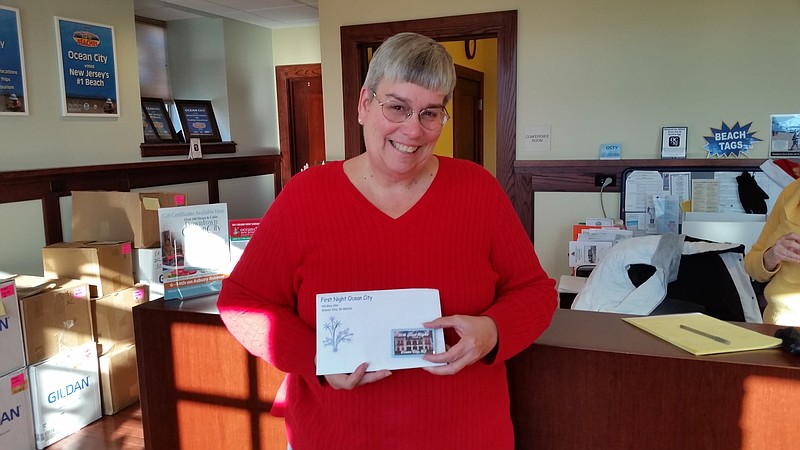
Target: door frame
[(284, 75), (356, 39)]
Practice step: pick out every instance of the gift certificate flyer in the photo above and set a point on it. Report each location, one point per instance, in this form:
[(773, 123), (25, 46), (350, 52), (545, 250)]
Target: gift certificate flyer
[(383, 328)]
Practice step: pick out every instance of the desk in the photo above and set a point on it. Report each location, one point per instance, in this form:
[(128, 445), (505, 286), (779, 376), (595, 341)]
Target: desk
[(199, 388), (593, 381)]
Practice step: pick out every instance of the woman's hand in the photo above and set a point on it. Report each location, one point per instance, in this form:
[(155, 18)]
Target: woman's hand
[(478, 337), (786, 248), (357, 378)]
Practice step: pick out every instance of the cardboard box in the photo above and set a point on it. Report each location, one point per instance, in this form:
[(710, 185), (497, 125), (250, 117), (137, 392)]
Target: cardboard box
[(16, 413), (56, 316), (106, 266), (120, 216), (65, 390), (12, 351), (147, 267), (118, 379), (112, 317)]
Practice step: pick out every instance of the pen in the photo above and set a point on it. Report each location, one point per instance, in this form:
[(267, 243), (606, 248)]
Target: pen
[(704, 334)]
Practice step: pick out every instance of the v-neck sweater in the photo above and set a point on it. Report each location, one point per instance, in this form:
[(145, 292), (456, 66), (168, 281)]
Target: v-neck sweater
[(321, 235)]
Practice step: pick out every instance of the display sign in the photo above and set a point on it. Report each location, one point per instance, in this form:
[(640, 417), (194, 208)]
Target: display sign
[(13, 96), (732, 141), (156, 111), (88, 69), (198, 121)]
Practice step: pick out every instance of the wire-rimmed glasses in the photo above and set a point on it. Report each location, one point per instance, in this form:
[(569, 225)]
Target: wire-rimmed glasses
[(432, 118)]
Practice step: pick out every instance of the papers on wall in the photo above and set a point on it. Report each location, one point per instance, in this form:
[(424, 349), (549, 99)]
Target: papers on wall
[(655, 200), (383, 328)]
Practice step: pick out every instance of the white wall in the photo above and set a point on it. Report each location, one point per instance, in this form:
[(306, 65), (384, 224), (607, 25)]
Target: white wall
[(614, 71), (617, 71), (44, 138)]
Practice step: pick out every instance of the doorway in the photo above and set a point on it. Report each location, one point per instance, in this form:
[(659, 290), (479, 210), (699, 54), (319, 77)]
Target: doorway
[(468, 115), (300, 117), (356, 40)]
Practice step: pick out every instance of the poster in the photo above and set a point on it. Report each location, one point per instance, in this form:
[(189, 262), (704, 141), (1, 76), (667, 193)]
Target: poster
[(87, 68), (195, 252), (13, 96), (784, 136)]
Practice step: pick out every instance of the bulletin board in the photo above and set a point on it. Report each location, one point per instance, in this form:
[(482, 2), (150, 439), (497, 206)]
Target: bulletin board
[(654, 200)]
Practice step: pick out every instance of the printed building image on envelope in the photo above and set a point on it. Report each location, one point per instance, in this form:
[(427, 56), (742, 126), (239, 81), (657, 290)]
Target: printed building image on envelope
[(383, 328)]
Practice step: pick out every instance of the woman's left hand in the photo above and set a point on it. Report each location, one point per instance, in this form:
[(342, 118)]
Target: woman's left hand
[(478, 337)]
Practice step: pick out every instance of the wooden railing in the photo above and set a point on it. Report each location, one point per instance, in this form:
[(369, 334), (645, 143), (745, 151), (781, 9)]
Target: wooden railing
[(49, 185)]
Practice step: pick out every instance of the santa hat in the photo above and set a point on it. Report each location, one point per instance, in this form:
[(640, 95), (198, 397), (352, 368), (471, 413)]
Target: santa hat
[(781, 171)]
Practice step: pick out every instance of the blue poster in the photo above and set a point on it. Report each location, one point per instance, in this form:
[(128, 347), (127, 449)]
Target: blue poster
[(13, 97), (88, 68)]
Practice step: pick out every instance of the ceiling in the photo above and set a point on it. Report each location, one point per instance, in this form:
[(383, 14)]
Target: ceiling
[(264, 13)]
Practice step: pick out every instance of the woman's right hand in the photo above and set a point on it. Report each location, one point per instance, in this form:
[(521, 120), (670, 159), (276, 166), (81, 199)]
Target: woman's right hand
[(786, 248), (357, 378)]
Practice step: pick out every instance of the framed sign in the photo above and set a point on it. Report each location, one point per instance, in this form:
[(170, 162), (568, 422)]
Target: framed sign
[(150, 135), (673, 142), (198, 121), (13, 96), (156, 111), (87, 68)]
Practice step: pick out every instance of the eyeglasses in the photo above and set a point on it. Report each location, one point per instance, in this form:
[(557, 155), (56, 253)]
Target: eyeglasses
[(430, 118)]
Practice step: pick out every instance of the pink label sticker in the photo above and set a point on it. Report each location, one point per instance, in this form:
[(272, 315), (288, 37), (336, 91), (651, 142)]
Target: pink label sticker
[(18, 381), (126, 248), (7, 291), (79, 292), (180, 200), (138, 294)]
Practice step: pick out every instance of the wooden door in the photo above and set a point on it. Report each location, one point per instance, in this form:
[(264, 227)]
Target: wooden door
[(468, 115), (300, 117)]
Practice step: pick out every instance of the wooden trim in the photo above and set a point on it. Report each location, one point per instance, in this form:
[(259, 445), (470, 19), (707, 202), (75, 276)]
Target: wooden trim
[(182, 149), (356, 39), (283, 76), (49, 185)]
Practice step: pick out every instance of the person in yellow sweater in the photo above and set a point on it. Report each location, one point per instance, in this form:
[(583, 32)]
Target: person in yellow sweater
[(775, 259)]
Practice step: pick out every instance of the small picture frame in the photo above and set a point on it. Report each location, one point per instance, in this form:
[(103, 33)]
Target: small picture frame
[(150, 134), (155, 110), (673, 142), (198, 120)]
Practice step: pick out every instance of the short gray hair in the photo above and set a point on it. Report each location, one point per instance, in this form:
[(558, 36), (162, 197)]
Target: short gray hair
[(413, 58)]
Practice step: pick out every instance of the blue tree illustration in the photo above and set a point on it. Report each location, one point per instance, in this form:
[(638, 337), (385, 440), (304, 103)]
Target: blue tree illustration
[(336, 336)]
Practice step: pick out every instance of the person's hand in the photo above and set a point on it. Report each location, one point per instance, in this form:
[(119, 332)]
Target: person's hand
[(478, 337), (357, 378), (786, 248)]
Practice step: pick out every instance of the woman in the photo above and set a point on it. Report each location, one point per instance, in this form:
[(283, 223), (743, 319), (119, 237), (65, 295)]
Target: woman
[(391, 218), (775, 259)]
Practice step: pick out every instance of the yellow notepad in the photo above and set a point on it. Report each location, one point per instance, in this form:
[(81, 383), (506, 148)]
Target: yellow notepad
[(700, 334)]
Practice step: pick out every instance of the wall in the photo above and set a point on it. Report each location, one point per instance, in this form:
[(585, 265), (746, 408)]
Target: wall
[(44, 138), (229, 63), (614, 71), (295, 45), (618, 71)]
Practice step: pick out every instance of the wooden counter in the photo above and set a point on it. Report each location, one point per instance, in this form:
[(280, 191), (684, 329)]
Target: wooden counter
[(593, 381), (199, 388)]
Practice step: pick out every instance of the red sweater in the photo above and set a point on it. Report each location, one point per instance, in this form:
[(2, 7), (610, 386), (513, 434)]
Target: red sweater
[(462, 238)]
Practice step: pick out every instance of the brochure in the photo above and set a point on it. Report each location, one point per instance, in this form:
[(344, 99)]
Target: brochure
[(383, 328), (195, 250)]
